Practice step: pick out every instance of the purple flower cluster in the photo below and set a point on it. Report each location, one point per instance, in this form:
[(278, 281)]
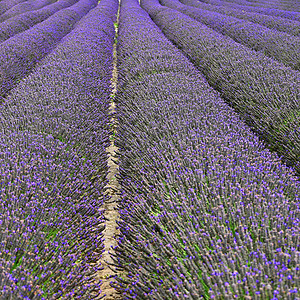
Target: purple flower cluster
[(53, 164), (277, 45), (263, 91), (7, 4), (206, 210), (277, 23), (20, 54), (261, 10), (24, 21), (23, 7)]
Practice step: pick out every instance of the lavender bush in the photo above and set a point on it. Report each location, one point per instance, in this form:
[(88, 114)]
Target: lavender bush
[(277, 23), (263, 91), (278, 45), (54, 134), (206, 210), (23, 7), (24, 21), (262, 10), (19, 54), (7, 4)]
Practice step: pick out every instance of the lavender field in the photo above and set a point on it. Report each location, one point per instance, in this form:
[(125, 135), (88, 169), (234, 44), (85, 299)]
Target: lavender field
[(149, 149)]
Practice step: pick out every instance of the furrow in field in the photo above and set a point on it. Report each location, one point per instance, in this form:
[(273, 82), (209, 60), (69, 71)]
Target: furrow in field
[(111, 213)]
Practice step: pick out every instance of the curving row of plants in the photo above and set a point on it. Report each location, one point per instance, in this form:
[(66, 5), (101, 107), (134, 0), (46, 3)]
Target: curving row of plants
[(277, 45), (206, 210), (263, 91), (20, 53), (281, 5), (53, 164), (292, 15), (24, 7), (25, 21), (272, 22), (5, 5), (242, 2)]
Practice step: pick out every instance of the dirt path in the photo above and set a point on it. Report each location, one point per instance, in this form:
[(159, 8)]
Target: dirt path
[(111, 214)]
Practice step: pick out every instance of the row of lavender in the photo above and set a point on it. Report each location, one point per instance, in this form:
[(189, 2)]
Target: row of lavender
[(54, 133), (206, 210), (291, 5), (20, 53), (25, 21), (277, 45), (5, 5), (263, 91), (24, 7), (272, 22), (261, 10)]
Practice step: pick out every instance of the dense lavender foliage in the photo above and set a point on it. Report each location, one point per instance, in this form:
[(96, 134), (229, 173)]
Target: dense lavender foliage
[(23, 7), (278, 45), (285, 4), (206, 211), (279, 4), (20, 23), (54, 134), (7, 4), (19, 54), (263, 91), (265, 11), (277, 23), (242, 2)]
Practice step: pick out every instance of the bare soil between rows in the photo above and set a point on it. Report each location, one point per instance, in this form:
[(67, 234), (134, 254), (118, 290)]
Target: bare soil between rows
[(111, 213)]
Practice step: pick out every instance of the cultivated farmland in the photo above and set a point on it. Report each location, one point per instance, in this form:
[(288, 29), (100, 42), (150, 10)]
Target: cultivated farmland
[(149, 149)]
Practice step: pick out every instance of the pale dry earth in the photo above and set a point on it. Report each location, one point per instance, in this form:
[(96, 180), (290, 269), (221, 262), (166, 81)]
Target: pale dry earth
[(111, 214)]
